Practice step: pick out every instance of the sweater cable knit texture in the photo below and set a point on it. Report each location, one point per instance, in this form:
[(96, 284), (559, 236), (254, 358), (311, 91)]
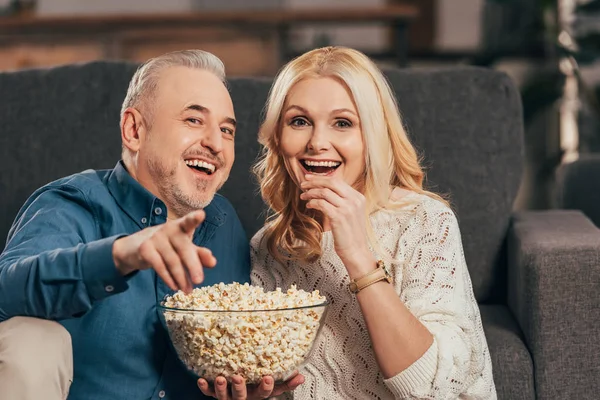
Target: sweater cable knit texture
[(430, 276)]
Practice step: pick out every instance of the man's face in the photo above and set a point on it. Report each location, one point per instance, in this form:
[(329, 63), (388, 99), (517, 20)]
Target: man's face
[(187, 154)]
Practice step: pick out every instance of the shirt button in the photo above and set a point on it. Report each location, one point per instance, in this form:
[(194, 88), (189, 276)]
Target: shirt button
[(144, 220), (109, 288), (161, 394), (158, 211)]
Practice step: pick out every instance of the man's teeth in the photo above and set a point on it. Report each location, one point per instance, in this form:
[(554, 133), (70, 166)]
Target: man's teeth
[(330, 164), (201, 164)]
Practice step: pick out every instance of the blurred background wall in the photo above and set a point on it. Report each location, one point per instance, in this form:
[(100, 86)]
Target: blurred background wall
[(549, 47)]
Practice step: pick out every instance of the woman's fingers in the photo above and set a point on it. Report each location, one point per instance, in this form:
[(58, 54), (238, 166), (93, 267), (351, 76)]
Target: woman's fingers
[(324, 206), (338, 186), (323, 193)]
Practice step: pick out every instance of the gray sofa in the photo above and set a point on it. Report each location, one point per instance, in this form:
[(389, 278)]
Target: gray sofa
[(536, 274), (578, 186)]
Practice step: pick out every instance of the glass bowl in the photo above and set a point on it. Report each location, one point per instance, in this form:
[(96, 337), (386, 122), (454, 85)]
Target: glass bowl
[(250, 343)]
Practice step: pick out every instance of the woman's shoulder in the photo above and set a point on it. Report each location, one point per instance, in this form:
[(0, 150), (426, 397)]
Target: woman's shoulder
[(258, 241), (408, 200), (409, 208)]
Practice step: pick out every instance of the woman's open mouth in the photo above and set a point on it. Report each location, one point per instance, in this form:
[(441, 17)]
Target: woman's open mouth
[(320, 167)]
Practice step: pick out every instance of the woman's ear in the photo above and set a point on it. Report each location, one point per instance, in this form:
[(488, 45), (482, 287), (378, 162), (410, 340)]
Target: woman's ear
[(133, 129)]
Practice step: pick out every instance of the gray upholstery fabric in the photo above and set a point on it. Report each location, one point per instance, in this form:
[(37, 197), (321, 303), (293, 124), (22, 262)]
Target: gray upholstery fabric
[(578, 186), (249, 96), (511, 361), (466, 121), (467, 124), (54, 123), (554, 292)]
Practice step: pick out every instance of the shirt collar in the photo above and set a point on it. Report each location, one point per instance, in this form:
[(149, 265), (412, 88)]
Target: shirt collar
[(139, 204)]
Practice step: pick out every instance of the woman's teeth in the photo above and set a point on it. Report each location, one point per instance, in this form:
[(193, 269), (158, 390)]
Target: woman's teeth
[(329, 164), (320, 167)]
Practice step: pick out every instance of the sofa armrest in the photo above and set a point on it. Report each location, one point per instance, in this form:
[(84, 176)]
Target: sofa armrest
[(554, 292)]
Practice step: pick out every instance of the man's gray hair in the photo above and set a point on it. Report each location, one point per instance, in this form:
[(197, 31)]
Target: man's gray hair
[(144, 83)]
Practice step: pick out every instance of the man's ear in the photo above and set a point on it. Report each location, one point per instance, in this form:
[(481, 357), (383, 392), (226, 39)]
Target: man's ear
[(133, 129)]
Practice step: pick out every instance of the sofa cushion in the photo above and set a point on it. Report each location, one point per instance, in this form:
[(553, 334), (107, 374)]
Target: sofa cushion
[(511, 361)]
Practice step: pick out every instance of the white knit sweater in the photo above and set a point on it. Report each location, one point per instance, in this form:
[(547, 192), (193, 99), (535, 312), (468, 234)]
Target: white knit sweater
[(432, 280)]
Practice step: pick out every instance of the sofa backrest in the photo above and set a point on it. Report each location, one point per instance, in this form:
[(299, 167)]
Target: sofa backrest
[(578, 186), (465, 121)]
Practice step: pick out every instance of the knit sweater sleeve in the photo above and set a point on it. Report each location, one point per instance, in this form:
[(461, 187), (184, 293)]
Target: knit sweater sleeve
[(435, 286)]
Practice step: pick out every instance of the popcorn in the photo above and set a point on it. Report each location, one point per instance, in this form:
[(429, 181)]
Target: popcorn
[(230, 335)]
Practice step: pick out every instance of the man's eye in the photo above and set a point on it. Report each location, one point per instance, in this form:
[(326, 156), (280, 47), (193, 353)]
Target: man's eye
[(228, 131), (343, 123), (195, 121), (298, 122)]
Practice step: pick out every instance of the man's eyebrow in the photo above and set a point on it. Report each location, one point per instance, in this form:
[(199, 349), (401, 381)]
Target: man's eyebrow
[(197, 107), (204, 110), (231, 121)]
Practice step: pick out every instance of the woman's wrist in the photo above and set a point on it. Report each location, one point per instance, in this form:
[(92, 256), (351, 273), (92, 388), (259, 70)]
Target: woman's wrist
[(360, 265)]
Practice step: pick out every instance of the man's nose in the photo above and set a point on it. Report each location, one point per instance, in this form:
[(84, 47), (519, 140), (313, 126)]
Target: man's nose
[(213, 139), (319, 139)]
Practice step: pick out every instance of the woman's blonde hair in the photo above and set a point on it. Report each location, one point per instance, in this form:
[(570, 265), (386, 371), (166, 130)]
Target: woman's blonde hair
[(390, 159)]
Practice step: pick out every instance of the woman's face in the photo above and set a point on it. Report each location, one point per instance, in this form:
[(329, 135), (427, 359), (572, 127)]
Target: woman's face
[(321, 132)]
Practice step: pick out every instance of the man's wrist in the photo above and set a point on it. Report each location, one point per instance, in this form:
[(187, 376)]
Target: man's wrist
[(117, 252), (99, 274)]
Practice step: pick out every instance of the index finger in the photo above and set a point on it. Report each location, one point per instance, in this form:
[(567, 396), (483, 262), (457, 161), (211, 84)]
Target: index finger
[(191, 221), (338, 186)]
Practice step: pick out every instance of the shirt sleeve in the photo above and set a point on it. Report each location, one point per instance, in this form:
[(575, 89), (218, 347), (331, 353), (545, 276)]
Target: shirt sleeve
[(55, 265), (437, 289)]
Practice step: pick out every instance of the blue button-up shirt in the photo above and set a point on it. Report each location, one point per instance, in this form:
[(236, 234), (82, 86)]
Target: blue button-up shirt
[(58, 265)]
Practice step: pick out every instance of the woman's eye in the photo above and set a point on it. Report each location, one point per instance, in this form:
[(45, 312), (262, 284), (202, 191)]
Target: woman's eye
[(342, 123), (298, 122)]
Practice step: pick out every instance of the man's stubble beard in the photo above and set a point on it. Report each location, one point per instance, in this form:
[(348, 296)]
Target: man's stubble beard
[(173, 195)]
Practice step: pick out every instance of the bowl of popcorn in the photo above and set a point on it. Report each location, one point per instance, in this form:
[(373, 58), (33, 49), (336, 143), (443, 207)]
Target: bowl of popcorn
[(235, 329)]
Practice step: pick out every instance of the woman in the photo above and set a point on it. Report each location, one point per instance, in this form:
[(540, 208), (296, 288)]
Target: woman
[(350, 218)]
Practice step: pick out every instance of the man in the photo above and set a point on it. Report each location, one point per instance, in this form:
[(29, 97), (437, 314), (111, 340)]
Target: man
[(96, 250)]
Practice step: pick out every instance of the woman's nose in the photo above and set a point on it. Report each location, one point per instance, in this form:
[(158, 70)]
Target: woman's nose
[(319, 140)]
